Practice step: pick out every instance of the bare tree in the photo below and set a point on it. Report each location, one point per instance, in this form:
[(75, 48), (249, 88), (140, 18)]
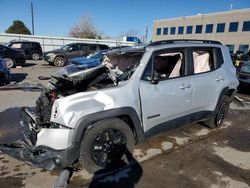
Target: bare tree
[(85, 29), (129, 33)]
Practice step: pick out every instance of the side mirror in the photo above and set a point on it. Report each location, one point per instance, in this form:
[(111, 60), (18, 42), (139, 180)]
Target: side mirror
[(70, 49), (155, 80)]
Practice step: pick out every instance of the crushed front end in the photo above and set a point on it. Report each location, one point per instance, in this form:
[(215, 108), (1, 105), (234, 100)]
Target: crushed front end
[(45, 143)]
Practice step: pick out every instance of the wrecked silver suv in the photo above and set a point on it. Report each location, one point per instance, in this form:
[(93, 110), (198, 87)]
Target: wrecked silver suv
[(94, 115)]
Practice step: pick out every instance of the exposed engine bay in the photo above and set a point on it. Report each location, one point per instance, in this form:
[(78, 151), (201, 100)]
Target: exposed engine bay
[(116, 66)]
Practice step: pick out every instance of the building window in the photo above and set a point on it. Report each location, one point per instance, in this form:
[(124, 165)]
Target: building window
[(189, 29), (231, 48), (243, 48), (233, 27), (198, 29), (220, 27), (172, 30), (158, 31), (180, 30), (165, 31), (209, 28), (246, 26)]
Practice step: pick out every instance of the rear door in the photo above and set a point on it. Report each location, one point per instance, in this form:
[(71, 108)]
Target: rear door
[(84, 50), (209, 78), (169, 97)]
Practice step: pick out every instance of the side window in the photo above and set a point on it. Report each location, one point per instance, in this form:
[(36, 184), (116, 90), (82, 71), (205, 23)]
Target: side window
[(166, 65), (27, 46), (16, 45), (85, 47), (75, 47), (93, 47), (203, 60)]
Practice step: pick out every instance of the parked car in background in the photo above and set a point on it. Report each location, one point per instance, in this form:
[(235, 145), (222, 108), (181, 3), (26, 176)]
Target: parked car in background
[(33, 50), (91, 60), (12, 56), (244, 75), (62, 56), (4, 73)]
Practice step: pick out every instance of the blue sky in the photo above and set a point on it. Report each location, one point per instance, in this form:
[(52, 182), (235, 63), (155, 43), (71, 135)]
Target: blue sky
[(57, 17)]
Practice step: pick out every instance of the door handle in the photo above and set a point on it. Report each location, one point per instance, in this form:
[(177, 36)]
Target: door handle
[(219, 79), (185, 86)]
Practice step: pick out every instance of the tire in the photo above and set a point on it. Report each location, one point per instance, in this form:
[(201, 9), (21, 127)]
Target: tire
[(59, 61), (98, 144), (10, 62), (35, 56), (221, 114)]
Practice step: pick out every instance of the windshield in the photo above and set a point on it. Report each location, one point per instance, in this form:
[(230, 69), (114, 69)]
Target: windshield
[(122, 65)]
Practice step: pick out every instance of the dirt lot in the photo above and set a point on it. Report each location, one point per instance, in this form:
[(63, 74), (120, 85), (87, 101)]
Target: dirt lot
[(189, 156)]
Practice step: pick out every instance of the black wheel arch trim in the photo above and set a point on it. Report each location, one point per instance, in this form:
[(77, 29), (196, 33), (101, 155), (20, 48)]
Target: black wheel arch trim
[(88, 120), (228, 92)]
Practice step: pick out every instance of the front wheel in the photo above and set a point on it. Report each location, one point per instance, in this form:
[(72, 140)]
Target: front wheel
[(9, 62), (59, 61), (221, 114), (105, 143)]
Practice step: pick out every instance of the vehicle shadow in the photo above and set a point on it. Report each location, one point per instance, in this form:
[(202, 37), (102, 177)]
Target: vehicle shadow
[(18, 77), (119, 174), (28, 64)]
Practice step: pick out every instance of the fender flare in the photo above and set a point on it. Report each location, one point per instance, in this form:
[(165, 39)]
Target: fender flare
[(226, 91), (86, 121)]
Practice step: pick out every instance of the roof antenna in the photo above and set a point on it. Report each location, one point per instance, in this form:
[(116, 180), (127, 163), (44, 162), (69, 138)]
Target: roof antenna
[(231, 6)]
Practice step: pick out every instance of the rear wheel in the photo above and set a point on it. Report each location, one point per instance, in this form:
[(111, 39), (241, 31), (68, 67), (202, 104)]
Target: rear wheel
[(35, 56), (10, 62), (222, 112), (105, 143), (59, 61)]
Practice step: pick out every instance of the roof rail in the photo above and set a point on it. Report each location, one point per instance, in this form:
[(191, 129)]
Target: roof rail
[(183, 40)]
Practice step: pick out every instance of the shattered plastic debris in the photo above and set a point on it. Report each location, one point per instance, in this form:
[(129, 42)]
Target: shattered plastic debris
[(239, 104)]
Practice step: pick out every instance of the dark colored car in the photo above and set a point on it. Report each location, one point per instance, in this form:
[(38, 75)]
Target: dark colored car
[(92, 60), (33, 50), (62, 56), (12, 56), (244, 75), (4, 73)]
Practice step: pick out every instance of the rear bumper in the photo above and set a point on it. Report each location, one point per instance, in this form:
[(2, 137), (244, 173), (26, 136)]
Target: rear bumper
[(40, 156)]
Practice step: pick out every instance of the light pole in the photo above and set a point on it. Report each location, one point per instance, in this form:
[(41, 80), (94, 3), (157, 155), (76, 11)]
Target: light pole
[(32, 17)]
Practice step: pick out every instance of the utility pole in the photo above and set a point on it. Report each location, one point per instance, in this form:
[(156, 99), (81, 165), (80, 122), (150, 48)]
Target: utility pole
[(32, 17), (146, 34)]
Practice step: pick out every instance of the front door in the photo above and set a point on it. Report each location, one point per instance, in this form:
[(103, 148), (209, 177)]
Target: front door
[(166, 92)]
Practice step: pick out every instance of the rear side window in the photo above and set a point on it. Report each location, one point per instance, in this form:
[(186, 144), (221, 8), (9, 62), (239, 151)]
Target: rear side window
[(27, 45), (84, 47), (93, 47), (206, 60)]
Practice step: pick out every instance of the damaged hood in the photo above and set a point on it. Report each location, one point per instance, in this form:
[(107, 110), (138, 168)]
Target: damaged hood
[(78, 73)]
